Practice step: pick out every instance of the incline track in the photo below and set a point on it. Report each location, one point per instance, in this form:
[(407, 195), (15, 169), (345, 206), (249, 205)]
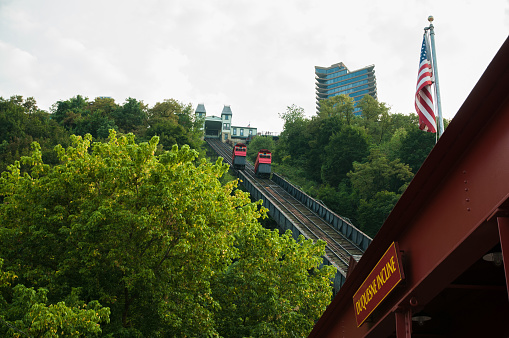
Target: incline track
[(338, 249)]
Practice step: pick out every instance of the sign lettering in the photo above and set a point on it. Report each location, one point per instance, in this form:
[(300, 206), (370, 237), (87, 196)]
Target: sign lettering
[(379, 283)]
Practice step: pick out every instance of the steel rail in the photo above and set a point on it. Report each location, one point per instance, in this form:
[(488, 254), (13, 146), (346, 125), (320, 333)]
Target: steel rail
[(323, 227), (310, 226), (334, 249)]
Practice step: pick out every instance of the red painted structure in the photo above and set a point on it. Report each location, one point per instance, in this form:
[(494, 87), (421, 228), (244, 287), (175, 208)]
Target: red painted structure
[(262, 163), (455, 211), (239, 156)]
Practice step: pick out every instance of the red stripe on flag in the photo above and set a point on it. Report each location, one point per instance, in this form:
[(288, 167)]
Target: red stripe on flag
[(423, 96)]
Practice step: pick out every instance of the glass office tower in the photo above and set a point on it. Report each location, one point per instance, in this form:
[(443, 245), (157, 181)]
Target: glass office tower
[(337, 79)]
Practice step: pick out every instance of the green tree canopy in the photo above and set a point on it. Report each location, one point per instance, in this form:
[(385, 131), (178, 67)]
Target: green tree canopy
[(415, 147), (174, 123), (66, 112), (21, 122), (338, 105), (320, 130), (294, 137), (379, 174), (154, 238), (345, 147), (375, 118), (373, 213), (257, 143), (274, 289), (379, 183), (131, 116)]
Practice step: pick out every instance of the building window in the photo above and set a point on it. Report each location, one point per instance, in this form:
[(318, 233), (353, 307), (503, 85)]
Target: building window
[(225, 136), (226, 117), (234, 131), (250, 131), (242, 132), (226, 126)]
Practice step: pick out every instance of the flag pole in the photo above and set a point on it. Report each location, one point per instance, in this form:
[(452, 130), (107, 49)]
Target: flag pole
[(440, 123)]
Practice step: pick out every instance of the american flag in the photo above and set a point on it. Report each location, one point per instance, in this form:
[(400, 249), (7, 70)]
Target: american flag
[(423, 97)]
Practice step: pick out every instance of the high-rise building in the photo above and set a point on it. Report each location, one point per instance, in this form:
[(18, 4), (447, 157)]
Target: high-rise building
[(337, 79)]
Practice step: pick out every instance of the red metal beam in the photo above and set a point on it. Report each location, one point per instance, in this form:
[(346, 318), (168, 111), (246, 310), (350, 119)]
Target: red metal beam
[(444, 221), (403, 323), (503, 229)]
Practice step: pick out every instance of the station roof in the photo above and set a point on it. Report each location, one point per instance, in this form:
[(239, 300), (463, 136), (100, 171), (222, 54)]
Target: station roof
[(226, 110), (200, 108)]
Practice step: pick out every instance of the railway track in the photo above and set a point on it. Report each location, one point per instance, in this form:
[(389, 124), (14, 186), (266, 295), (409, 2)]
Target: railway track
[(338, 249)]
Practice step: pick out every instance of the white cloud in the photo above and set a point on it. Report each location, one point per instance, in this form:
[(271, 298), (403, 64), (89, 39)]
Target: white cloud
[(17, 68), (258, 57)]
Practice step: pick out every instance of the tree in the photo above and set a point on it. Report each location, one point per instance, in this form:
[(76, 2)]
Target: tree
[(294, 137), (292, 114), (25, 312), (146, 235), (320, 129), (21, 123), (375, 118), (106, 105), (392, 147), (12, 118), (373, 213), (131, 116), (257, 143), (415, 147), (339, 105), (379, 183), (65, 112), (348, 145), (379, 174), (275, 288), (174, 123)]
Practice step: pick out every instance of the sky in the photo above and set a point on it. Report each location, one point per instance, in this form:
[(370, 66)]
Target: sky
[(258, 57)]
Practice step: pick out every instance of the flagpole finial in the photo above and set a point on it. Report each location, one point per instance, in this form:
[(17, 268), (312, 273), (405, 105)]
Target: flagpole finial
[(430, 18)]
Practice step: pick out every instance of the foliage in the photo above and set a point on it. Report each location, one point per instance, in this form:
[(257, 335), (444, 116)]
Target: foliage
[(373, 212), (415, 147), (274, 288), (292, 114), (347, 146), (154, 238), (341, 106), (174, 123), (375, 119), (352, 162), (293, 138), (131, 116), (319, 132), (66, 112), (379, 174), (25, 312), (257, 143), (21, 123)]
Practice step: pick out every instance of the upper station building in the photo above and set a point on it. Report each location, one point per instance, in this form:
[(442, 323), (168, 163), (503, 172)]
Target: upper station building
[(337, 79), (222, 127)]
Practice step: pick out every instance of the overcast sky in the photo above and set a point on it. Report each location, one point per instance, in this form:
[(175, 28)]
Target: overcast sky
[(256, 56)]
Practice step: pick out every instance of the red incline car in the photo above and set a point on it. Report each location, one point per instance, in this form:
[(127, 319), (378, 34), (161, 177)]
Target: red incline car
[(262, 164), (239, 156)]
